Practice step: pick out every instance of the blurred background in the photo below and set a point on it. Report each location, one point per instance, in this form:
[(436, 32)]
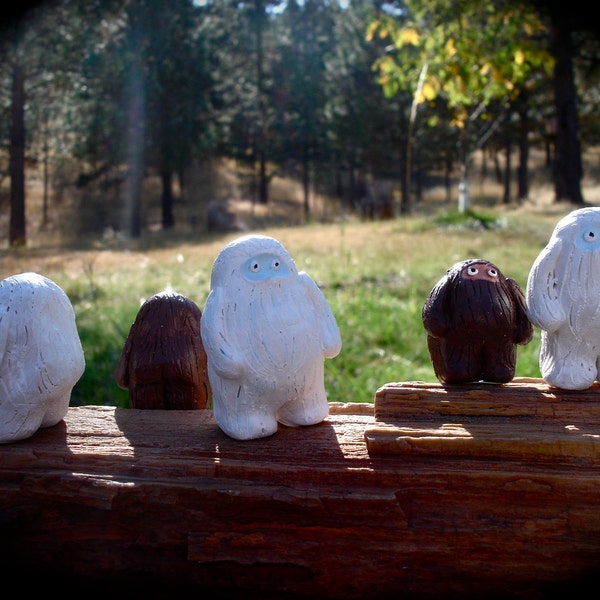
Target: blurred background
[(122, 117)]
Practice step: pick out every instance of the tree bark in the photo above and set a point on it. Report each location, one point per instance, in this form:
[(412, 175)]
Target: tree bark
[(259, 24), (508, 165), (405, 203), (17, 228), (567, 167), (306, 181), (136, 117), (168, 220), (522, 174)]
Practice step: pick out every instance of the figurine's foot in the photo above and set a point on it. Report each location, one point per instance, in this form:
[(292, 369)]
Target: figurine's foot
[(303, 412), (56, 410), (568, 381), (498, 377), (244, 426), (576, 374)]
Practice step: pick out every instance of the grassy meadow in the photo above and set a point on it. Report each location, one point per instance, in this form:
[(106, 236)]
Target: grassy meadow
[(375, 275)]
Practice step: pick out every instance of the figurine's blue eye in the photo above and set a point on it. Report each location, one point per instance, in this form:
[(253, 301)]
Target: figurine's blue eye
[(254, 267), (589, 238), (275, 265)]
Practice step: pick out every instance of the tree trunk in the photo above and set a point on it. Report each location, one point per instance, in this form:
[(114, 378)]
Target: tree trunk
[(522, 177), (259, 20), (405, 206), (135, 149), (567, 158), (507, 170), (17, 229), (497, 169), (419, 185), (463, 190), (448, 178), (463, 184), (168, 220), (46, 174), (306, 182), (357, 182), (263, 183)]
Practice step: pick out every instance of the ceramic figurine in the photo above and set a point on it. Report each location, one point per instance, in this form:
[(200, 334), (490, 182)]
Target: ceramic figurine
[(266, 329), (41, 358), (563, 300), (163, 362), (474, 317)]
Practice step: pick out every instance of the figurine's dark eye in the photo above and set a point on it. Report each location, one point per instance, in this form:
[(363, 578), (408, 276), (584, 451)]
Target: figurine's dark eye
[(589, 236), (264, 266), (472, 270), (492, 272)]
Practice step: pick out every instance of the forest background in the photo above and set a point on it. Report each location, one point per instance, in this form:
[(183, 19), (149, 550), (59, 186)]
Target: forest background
[(148, 126), (354, 99)]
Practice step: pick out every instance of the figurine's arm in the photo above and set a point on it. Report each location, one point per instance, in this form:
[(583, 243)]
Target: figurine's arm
[(330, 332), (543, 295), (215, 331), (524, 328), (435, 313)]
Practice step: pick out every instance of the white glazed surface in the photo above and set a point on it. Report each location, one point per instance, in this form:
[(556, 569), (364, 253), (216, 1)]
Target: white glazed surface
[(41, 357), (267, 330), (563, 300)]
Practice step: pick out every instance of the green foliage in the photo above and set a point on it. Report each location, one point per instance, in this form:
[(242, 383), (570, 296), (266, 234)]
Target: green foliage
[(102, 345), (383, 340), (102, 333), (467, 219), (475, 52)]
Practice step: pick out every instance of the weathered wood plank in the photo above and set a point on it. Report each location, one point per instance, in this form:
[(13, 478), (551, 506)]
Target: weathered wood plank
[(522, 419), (522, 397), (163, 500)]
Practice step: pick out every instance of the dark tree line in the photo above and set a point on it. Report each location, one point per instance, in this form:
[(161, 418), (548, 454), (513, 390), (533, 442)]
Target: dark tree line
[(153, 86)]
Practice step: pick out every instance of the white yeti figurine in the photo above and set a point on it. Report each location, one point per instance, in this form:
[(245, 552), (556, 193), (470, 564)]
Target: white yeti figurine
[(563, 300), (41, 357), (266, 329)]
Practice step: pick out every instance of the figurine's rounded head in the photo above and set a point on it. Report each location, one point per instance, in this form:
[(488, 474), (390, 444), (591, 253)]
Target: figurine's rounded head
[(170, 307), (581, 227), (474, 269), (33, 294), (479, 269), (255, 258)]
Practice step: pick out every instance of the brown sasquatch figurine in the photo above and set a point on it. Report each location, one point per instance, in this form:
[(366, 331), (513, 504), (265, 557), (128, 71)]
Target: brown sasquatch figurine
[(163, 362), (474, 317)]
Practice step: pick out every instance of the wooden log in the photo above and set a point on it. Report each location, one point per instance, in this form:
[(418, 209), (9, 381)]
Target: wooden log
[(163, 501)]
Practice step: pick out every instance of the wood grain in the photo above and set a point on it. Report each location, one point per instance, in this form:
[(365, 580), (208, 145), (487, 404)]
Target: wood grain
[(163, 501), (522, 419)]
